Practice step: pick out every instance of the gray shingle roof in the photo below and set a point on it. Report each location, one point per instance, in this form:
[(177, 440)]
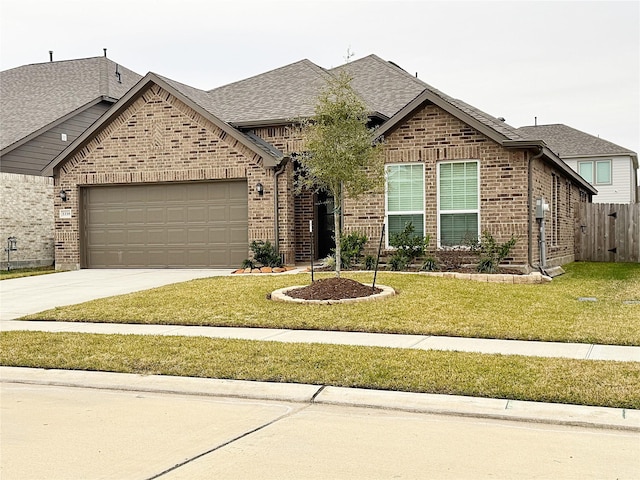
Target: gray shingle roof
[(291, 91), (383, 86), (568, 142), (282, 94), (33, 96)]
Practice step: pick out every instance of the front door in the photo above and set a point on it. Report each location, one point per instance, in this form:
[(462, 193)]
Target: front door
[(324, 217)]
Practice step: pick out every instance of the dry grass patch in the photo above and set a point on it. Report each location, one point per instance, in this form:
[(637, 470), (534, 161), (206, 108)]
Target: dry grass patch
[(424, 305), (585, 382)]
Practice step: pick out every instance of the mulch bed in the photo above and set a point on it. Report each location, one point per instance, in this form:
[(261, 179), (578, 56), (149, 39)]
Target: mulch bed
[(333, 289)]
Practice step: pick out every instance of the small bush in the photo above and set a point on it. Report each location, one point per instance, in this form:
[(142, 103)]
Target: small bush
[(247, 263), (430, 265), (492, 253), (397, 262), (408, 245), (265, 254), (351, 248), (330, 261), (369, 262)]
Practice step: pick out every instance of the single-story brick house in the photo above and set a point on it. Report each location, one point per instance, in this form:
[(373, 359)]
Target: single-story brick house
[(173, 176)]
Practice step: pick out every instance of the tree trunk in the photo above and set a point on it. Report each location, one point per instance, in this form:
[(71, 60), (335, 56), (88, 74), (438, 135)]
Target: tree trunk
[(337, 210)]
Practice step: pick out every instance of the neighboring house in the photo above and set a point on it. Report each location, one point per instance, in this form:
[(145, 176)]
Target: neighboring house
[(173, 176), (610, 168), (45, 107)]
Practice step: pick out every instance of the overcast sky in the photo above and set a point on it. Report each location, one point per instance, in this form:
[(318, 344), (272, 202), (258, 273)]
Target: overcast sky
[(573, 62)]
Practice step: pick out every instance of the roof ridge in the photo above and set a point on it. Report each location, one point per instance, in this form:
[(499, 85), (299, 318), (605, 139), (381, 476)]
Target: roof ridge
[(253, 77)]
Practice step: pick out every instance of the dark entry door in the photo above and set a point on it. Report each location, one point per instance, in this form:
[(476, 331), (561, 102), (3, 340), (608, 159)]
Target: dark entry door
[(325, 222)]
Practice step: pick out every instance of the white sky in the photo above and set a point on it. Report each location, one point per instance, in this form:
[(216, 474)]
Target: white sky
[(571, 62)]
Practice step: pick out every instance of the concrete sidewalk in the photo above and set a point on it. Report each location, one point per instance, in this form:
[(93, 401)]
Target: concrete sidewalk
[(580, 351)]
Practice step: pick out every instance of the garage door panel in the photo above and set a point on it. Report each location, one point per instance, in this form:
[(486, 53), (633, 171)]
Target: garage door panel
[(136, 215), (197, 214), (156, 215), (176, 214), (238, 236), (166, 225), (238, 213), (177, 193), (197, 236), (238, 191)]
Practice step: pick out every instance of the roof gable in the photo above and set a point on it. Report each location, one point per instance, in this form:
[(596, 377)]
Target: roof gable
[(190, 96), (36, 96)]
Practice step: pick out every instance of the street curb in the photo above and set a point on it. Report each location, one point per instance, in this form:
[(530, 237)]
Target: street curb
[(454, 405)]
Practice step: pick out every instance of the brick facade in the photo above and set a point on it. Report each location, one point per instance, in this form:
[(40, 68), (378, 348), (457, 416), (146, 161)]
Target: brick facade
[(158, 138), (432, 135), (27, 214)]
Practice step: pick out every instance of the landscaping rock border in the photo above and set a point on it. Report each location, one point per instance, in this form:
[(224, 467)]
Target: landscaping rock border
[(280, 295), (264, 270), (532, 278)]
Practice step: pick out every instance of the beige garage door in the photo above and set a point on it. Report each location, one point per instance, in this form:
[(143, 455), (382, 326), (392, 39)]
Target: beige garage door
[(165, 225)]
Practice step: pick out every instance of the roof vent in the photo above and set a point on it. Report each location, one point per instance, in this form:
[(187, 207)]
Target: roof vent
[(51, 55), (502, 119), (118, 75), (105, 52)]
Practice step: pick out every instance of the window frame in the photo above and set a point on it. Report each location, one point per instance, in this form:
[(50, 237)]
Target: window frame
[(441, 212), (593, 165), (403, 212)]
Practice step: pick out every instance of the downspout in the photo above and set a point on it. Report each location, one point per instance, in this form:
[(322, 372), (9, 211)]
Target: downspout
[(530, 202), (276, 202)]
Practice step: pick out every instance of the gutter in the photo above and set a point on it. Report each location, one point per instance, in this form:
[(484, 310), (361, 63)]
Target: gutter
[(530, 202), (276, 202)]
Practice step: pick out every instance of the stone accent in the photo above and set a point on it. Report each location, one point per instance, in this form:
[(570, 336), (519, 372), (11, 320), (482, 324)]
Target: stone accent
[(532, 278), (280, 295), (27, 214)]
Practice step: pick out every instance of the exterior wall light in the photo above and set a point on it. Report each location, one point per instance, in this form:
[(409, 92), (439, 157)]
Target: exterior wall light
[(260, 189), (63, 195)]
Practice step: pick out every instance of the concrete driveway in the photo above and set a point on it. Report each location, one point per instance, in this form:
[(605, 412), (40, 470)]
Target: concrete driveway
[(23, 296)]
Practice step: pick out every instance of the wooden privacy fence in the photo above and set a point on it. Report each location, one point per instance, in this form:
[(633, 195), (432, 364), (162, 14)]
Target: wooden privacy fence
[(607, 232)]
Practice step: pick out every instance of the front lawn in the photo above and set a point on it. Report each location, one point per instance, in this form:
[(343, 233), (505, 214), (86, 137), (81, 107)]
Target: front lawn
[(424, 305), (584, 382), (25, 272)]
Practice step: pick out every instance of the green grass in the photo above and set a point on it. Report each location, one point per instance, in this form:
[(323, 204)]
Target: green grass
[(25, 272), (424, 305), (584, 382)]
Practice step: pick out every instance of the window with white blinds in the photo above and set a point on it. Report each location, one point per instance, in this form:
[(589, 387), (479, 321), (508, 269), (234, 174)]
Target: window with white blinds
[(404, 198), (458, 203)]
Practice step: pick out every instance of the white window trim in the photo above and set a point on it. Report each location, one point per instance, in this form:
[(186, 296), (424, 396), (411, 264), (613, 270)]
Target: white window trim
[(404, 212), (594, 170), (445, 212)]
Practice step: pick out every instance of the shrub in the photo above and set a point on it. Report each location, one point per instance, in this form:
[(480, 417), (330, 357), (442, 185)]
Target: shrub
[(492, 253), (430, 265), (369, 262), (397, 262), (265, 254), (247, 263), (408, 245), (351, 247)]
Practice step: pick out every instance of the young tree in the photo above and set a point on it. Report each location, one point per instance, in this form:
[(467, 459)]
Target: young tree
[(340, 156)]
